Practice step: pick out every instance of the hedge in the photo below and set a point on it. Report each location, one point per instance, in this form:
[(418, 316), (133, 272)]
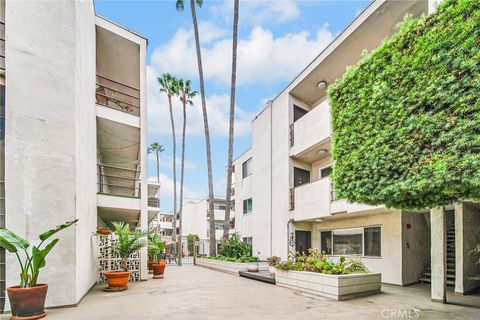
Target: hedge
[(406, 118)]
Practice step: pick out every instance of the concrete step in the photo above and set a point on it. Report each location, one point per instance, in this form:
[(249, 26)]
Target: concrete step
[(450, 283), (429, 275)]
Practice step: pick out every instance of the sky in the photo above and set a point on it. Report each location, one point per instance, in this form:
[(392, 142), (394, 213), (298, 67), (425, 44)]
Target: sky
[(276, 40)]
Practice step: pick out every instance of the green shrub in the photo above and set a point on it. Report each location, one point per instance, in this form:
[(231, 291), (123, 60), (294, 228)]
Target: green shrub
[(316, 262), (406, 118), (234, 247)]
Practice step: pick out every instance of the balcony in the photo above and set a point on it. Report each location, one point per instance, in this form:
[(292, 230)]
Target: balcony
[(311, 129), (154, 202), (118, 96), (117, 181), (312, 200)]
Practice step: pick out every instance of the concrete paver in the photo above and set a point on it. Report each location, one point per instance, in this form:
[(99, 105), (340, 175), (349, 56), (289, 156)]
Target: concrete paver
[(191, 292)]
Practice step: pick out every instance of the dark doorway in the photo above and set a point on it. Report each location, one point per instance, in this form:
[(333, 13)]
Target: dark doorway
[(300, 176), (302, 241), (298, 112)]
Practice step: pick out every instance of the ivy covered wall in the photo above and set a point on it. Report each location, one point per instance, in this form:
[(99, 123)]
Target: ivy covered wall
[(406, 118)]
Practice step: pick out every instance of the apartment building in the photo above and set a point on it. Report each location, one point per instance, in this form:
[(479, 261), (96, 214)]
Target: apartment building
[(285, 200), (75, 136), (163, 225), (195, 220)]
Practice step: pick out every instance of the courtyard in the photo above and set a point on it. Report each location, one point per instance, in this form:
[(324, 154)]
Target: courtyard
[(191, 292)]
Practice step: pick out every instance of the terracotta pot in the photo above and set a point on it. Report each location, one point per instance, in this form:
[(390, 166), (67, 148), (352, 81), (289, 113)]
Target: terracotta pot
[(150, 264), (103, 231), (159, 269), (28, 303), (117, 279), (252, 267)]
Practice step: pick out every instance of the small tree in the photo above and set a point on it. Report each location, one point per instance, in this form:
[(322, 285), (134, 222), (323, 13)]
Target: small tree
[(191, 238), (127, 242)]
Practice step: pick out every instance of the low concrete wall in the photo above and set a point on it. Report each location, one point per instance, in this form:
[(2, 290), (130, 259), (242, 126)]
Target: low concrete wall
[(227, 266), (337, 287)]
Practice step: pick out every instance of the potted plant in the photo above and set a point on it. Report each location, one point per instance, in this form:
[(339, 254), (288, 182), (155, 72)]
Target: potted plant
[(127, 243), (27, 300), (272, 262), (157, 247), (151, 253)]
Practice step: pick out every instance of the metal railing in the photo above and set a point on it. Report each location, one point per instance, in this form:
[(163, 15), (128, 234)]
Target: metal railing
[(154, 202), (292, 199), (292, 134), (117, 181), (116, 95), (333, 194)]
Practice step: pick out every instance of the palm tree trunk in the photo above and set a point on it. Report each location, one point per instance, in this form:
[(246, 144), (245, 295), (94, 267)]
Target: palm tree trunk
[(226, 223), (182, 166), (174, 233), (213, 241), (158, 168)]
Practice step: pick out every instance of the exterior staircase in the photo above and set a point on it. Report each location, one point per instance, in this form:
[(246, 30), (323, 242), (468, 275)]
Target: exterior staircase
[(427, 274)]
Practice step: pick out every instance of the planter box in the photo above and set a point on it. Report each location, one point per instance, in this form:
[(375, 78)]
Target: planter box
[(227, 266), (337, 287)]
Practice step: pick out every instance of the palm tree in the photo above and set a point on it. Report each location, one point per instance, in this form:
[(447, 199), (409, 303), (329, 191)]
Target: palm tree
[(186, 95), (180, 7), (168, 84), (157, 148), (228, 197)]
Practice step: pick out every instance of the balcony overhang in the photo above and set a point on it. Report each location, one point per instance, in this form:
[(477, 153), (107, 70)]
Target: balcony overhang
[(109, 215), (316, 152), (376, 23)]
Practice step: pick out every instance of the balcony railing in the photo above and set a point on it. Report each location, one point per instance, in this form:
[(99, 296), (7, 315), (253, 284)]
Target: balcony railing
[(115, 95), (292, 134), (292, 199), (154, 202), (117, 181)]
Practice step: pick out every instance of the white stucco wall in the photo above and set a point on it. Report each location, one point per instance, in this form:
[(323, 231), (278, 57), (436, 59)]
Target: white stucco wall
[(50, 59), (85, 148), (390, 262), (243, 191)]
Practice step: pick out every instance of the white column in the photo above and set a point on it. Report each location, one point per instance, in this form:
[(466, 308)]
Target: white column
[(438, 254), (459, 218), (143, 157)]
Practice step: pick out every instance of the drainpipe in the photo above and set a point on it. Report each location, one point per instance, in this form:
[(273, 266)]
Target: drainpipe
[(288, 236), (271, 177)]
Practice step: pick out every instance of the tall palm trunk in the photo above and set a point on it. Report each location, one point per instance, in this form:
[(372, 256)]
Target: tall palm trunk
[(174, 233), (226, 224), (158, 167), (213, 242), (182, 166)]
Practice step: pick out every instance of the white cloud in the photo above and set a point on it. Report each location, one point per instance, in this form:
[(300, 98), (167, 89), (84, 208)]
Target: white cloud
[(257, 12), (166, 189), (218, 113), (262, 57)]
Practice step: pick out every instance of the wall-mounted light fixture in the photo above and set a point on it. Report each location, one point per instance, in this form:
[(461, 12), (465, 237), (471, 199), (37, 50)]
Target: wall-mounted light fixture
[(322, 85), (322, 152)]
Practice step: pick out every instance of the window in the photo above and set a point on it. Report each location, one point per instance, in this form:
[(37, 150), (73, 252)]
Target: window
[(326, 242), (355, 241), (217, 206), (247, 168), (300, 176), (325, 172), (347, 241), (218, 225), (372, 241), (248, 240), (247, 206)]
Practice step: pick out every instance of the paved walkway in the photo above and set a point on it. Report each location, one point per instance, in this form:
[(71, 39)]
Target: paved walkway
[(191, 292)]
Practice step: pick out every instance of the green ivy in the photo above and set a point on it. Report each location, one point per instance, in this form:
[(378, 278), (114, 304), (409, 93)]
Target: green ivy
[(406, 118)]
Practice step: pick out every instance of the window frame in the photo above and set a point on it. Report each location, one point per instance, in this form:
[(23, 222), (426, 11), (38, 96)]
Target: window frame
[(363, 242), (244, 166), (245, 208)]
